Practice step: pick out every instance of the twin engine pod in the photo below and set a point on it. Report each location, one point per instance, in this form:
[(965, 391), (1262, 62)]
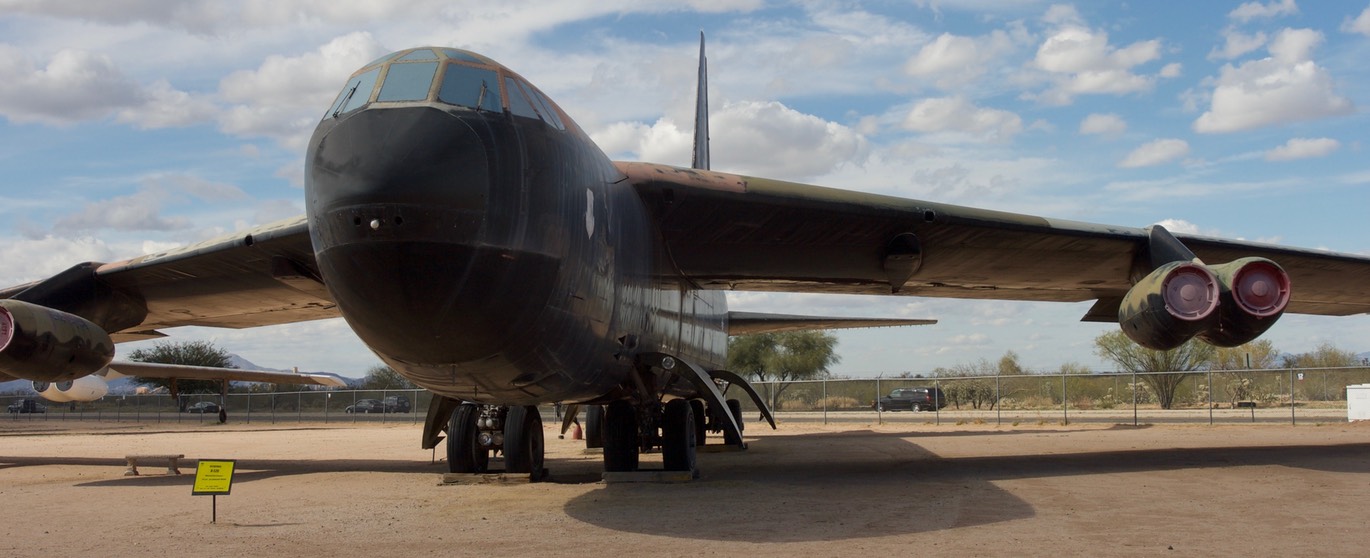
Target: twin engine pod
[(47, 345), (86, 388), (1224, 305)]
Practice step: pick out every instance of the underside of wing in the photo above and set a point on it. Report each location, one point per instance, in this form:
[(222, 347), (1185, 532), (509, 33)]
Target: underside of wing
[(183, 372), (722, 231), (743, 323), (263, 276)]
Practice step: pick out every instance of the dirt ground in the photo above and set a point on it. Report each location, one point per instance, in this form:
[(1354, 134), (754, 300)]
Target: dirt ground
[(806, 490)]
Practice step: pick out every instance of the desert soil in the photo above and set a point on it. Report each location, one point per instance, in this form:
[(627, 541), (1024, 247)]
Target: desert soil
[(805, 490)]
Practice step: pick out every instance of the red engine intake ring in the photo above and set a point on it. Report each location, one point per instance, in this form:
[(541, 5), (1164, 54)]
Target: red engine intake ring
[(1191, 292), (1261, 289)]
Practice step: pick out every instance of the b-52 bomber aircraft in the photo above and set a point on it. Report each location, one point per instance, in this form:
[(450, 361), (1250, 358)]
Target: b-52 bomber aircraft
[(478, 241)]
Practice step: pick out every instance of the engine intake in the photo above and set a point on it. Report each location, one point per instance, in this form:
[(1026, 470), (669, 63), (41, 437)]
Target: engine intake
[(42, 344), (86, 388), (1224, 305)]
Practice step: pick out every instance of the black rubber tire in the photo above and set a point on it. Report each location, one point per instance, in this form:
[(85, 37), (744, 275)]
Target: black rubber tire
[(464, 455), (620, 437), (524, 449), (701, 433), (594, 426), (729, 437), (678, 436)]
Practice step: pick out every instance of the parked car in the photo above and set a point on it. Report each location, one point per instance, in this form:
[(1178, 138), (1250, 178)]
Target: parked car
[(396, 404), (912, 399), (203, 407), (366, 406), (27, 406)]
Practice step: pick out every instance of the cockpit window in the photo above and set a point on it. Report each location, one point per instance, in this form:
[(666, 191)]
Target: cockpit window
[(464, 56), (420, 54), (382, 59), (518, 100), (545, 107), (355, 94), (477, 88), (408, 82)]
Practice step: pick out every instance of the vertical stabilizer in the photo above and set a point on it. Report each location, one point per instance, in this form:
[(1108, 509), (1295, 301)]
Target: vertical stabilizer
[(701, 155)]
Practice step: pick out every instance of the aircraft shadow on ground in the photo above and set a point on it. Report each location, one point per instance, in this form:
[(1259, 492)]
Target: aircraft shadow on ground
[(881, 484)]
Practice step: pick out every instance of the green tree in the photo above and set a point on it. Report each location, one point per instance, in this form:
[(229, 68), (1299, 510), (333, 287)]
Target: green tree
[(1131, 357), (381, 376), (782, 357), (1237, 364), (1326, 355), (187, 353)]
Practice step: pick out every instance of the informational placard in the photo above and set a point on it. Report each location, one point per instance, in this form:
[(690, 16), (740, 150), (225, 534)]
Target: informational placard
[(213, 477)]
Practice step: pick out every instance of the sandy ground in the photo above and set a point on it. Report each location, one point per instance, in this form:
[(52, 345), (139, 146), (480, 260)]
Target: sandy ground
[(807, 489)]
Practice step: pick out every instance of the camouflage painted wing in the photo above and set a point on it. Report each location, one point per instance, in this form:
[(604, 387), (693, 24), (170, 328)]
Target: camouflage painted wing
[(263, 276), (722, 231)]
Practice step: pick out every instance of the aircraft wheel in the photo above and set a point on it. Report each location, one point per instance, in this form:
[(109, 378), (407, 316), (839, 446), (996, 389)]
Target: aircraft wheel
[(464, 454), (594, 426), (701, 433), (678, 436), (729, 437), (620, 437), (523, 444)]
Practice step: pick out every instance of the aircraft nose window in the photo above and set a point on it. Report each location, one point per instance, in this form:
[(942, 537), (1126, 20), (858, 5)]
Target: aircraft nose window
[(465, 86), (355, 94), (408, 82)]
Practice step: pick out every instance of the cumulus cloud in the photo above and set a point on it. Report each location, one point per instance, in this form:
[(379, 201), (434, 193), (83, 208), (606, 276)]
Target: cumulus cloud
[(1303, 148), (1361, 24), (761, 138), (954, 60), (1236, 43), (1263, 10), (958, 118), (48, 255), (1109, 125), (1154, 153), (1079, 61), (73, 86), (1287, 86), (282, 98), (141, 211)]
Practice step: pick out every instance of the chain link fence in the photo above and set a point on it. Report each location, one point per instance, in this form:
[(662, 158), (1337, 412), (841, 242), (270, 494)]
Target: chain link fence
[(1315, 395)]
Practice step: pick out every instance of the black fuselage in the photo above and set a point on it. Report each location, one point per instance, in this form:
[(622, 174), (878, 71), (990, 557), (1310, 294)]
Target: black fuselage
[(496, 258)]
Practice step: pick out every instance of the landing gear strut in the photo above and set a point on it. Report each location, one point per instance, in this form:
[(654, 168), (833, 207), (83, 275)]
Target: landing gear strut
[(475, 431)]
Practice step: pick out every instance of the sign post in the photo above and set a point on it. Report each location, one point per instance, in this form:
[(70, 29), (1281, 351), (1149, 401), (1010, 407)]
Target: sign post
[(212, 478)]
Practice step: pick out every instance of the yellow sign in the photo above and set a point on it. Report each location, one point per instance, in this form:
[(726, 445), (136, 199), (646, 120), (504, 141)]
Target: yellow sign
[(213, 477)]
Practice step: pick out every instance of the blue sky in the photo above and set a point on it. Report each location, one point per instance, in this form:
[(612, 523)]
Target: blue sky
[(133, 125)]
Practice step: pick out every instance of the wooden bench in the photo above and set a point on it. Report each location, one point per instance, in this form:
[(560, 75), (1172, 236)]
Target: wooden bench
[(171, 459)]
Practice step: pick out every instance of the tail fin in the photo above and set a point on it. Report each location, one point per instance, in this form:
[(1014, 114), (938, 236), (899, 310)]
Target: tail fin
[(701, 155)]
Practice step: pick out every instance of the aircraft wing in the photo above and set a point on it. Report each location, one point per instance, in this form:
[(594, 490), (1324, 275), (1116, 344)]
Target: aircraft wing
[(183, 372), (263, 276), (724, 231)]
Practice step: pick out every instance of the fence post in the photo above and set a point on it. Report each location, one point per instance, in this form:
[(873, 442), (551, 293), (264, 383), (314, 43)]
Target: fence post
[(1134, 398), (936, 400), (1065, 414), (1210, 397), (998, 403), (879, 414), (825, 401), (1291, 397)]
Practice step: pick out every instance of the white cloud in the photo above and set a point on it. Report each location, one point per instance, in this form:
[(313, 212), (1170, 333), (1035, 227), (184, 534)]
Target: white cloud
[(1303, 148), (1110, 125), (955, 60), (48, 255), (141, 210), (1236, 43), (1257, 10), (1155, 153), (760, 138), (73, 86), (1361, 24), (963, 119), (1285, 87), (1079, 61)]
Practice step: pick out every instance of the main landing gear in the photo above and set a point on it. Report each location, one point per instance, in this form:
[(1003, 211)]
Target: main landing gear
[(475, 432)]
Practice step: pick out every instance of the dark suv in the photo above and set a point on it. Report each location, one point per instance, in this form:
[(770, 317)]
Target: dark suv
[(396, 404), (912, 399), (27, 406)]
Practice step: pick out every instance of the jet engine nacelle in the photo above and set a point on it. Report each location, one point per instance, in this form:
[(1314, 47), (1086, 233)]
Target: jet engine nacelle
[(43, 344), (1255, 292), (87, 388), (1225, 305)]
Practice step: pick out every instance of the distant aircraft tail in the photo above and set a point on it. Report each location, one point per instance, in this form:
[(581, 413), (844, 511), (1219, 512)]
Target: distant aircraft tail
[(701, 154)]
